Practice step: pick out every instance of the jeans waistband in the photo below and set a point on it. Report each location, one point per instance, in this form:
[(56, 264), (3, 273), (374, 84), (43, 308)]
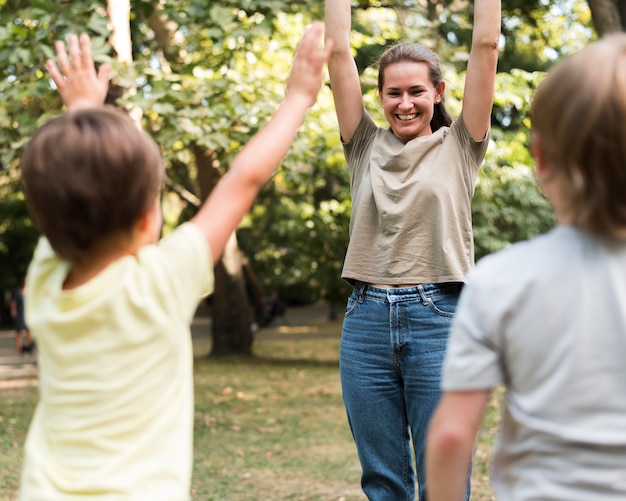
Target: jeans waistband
[(422, 291)]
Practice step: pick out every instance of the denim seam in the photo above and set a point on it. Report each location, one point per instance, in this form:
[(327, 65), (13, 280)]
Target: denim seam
[(406, 455)]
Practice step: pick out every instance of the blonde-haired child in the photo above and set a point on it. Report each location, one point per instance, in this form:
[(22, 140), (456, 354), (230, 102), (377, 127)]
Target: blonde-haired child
[(547, 318)]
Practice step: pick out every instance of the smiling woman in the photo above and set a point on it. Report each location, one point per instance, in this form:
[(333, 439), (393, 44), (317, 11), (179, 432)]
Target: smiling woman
[(409, 104), (411, 242), (411, 86)]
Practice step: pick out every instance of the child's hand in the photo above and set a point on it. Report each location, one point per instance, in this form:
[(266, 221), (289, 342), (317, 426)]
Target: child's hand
[(307, 73), (78, 83)]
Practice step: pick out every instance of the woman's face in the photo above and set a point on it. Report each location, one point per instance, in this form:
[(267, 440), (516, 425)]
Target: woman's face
[(408, 97)]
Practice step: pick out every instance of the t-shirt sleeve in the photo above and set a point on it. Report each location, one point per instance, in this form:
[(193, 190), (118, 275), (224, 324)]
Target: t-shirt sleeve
[(44, 267), (360, 144), (188, 265), (473, 357), (44, 258), (475, 150)]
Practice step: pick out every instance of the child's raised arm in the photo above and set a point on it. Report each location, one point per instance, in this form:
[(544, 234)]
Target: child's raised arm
[(82, 87), (254, 165), (76, 78)]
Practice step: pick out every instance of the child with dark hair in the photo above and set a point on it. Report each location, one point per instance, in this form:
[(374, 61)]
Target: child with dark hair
[(109, 305)]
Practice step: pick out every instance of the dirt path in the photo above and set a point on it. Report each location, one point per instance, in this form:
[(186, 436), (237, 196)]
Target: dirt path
[(14, 367)]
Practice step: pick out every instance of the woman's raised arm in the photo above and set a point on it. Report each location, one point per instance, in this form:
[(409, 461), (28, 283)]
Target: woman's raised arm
[(481, 67), (342, 70)]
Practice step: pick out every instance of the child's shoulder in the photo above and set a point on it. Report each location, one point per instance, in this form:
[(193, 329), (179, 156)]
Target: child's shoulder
[(185, 238), (538, 256)]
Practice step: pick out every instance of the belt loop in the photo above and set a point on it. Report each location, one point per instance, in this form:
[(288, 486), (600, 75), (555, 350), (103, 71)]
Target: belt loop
[(420, 289), (360, 288)]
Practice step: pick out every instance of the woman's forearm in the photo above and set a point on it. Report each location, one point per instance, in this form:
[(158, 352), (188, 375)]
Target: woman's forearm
[(338, 23)]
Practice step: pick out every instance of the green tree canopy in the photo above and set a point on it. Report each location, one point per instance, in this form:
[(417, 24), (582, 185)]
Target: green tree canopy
[(205, 76)]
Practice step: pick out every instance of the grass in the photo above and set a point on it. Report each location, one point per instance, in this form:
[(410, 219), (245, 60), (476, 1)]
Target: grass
[(270, 427)]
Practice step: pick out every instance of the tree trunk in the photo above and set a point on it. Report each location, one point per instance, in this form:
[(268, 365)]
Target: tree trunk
[(255, 292), (119, 14), (608, 16), (432, 9), (231, 311), (231, 318)]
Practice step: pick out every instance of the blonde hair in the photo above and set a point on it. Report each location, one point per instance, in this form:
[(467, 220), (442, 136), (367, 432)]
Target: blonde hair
[(579, 115)]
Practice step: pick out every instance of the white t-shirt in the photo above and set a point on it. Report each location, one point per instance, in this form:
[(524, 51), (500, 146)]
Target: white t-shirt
[(115, 415), (547, 318)]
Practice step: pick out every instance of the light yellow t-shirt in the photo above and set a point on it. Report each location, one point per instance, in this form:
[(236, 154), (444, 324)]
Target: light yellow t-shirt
[(114, 419)]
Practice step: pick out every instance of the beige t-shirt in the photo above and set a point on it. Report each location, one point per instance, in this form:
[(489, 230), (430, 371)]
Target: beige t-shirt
[(411, 205), (114, 419)]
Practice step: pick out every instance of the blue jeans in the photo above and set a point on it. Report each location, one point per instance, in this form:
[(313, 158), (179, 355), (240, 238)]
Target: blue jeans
[(392, 347)]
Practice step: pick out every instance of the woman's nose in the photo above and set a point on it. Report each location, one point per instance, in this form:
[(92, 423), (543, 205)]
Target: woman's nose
[(406, 101)]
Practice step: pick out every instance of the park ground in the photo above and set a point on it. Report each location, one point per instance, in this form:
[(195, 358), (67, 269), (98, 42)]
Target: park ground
[(269, 427)]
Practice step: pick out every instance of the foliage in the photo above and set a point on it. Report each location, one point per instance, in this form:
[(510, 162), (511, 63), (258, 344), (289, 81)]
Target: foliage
[(27, 33), (205, 77), (507, 205), (296, 235), (538, 32), (17, 238)]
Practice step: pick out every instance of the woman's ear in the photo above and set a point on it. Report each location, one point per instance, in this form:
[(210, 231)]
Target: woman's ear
[(439, 91)]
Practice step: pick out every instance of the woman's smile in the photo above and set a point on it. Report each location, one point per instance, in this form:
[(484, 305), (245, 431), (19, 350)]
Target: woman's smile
[(408, 98)]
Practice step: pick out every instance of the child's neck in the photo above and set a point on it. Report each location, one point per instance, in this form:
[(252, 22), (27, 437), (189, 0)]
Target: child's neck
[(111, 249), (83, 272)]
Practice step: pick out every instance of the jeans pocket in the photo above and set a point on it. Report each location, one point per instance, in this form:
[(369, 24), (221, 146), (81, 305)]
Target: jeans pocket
[(444, 304), (353, 302)]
